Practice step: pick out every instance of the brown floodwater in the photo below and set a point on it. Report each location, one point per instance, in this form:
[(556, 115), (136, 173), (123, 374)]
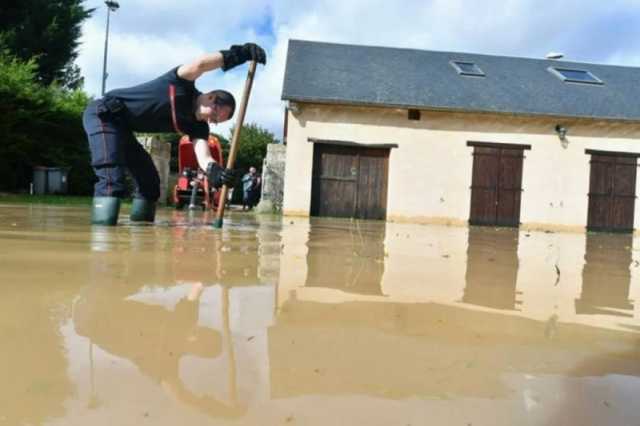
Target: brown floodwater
[(313, 322)]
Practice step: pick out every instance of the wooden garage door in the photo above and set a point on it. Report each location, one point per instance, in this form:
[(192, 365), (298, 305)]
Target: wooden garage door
[(349, 182), (612, 186), (496, 184)]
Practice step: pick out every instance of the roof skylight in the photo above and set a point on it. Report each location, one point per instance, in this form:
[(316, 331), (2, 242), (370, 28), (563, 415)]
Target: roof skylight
[(571, 75), (467, 68)]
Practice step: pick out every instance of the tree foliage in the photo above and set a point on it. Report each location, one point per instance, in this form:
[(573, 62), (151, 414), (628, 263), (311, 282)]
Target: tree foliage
[(40, 125), (46, 32), (253, 146), (41, 108)]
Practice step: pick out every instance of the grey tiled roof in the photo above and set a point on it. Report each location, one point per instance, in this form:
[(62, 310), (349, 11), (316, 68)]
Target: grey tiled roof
[(407, 78)]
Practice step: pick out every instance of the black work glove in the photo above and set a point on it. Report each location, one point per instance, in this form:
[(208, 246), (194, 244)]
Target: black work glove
[(239, 54), (217, 176)]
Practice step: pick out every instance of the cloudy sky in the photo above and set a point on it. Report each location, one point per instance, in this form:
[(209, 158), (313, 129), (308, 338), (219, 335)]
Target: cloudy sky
[(148, 37)]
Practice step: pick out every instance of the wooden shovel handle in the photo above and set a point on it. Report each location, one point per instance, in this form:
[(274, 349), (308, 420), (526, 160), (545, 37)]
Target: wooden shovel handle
[(235, 141)]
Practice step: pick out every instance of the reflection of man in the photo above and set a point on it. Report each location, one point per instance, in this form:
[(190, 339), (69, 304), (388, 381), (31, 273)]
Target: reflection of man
[(152, 337)]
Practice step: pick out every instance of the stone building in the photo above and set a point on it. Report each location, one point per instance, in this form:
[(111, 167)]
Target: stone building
[(456, 138)]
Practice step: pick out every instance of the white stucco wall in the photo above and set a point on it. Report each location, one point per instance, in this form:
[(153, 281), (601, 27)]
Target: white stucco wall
[(430, 171)]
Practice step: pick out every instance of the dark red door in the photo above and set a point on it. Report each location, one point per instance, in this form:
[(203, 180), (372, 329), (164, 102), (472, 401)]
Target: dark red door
[(496, 185), (372, 184), (349, 182), (335, 181), (612, 186)]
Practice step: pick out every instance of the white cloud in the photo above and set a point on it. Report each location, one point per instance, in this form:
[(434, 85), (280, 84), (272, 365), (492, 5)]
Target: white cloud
[(150, 36)]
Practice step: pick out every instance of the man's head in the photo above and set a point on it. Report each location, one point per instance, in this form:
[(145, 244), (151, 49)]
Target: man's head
[(252, 170), (215, 107)]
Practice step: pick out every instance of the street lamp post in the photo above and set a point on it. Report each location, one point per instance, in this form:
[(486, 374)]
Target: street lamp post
[(112, 6)]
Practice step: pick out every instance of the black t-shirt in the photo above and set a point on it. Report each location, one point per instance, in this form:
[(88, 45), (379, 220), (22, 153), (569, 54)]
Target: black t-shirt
[(148, 106)]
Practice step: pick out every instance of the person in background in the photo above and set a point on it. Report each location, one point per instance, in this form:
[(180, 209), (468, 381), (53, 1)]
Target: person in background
[(250, 183)]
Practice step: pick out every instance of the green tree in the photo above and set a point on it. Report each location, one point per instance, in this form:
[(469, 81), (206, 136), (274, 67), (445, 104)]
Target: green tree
[(253, 146), (40, 125), (46, 32)]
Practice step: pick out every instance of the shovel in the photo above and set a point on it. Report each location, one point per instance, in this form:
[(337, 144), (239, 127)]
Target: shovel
[(235, 141)]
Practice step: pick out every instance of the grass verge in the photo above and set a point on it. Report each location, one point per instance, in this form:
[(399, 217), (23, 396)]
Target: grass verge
[(60, 200)]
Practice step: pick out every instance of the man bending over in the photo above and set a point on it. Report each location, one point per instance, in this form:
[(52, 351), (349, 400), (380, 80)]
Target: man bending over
[(169, 103)]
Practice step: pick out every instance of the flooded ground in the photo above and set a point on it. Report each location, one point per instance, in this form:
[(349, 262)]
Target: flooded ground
[(314, 322)]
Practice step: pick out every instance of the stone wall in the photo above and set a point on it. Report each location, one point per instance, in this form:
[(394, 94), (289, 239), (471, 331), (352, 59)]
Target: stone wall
[(273, 168), (161, 155)]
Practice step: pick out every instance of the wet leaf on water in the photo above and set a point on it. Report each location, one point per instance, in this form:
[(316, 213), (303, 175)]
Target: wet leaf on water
[(446, 256), (250, 338), (289, 419), (606, 403)]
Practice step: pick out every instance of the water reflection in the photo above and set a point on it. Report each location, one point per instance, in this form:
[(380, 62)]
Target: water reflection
[(165, 302), (33, 368), (348, 258), (399, 350), (157, 331), (606, 276), (200, 253), (492, 268), (181, 325)]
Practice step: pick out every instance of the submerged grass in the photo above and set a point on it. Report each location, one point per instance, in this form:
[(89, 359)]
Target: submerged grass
[(44, 199), (55, 200)]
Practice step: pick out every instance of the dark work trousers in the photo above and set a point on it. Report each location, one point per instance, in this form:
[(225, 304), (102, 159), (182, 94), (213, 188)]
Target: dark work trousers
[(114, 148)]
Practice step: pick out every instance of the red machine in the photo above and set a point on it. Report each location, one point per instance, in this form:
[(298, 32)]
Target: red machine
[(193, 188)]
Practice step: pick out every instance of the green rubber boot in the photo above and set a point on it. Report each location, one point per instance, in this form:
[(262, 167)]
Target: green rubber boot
[(143, 210), (105, 211)]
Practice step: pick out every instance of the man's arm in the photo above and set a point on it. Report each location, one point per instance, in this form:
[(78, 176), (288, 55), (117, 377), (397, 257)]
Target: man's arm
[(225, 59), (203, 153), (216, 173), (205, 63)]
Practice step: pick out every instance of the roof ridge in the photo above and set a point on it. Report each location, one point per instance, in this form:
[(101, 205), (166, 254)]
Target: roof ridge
[(447, 52)]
